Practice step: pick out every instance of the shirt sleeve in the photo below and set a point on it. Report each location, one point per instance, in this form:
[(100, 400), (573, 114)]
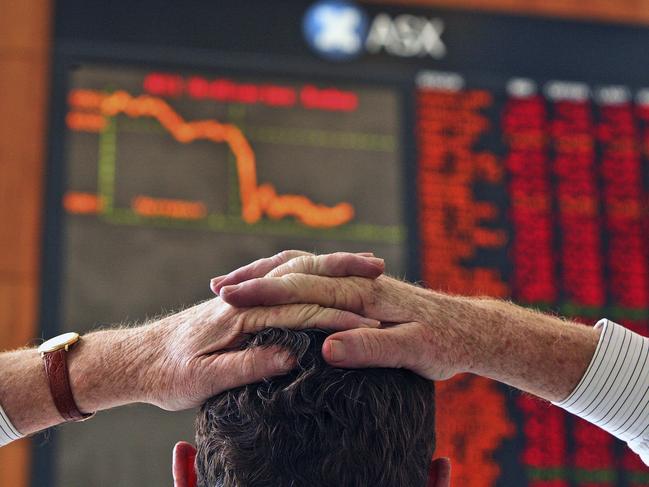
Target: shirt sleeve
[(8, 432), (613, 392)]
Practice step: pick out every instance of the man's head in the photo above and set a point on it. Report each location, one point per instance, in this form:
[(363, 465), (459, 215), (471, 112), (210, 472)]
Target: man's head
[(318, 425)]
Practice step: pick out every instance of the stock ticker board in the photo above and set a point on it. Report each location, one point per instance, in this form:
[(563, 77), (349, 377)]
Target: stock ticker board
[(479, 154)]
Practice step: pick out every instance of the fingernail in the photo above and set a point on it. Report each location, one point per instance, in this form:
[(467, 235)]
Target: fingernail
[(366, 254), (370, 323), (376, 261), (229, 290), (337, 352), (214, 283)]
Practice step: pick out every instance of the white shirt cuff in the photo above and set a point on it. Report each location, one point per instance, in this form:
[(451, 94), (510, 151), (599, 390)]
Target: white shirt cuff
[(8, 432), (613, 392)]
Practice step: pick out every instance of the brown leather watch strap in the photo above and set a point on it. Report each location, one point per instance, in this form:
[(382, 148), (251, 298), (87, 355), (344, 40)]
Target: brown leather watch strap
[(56, 369)]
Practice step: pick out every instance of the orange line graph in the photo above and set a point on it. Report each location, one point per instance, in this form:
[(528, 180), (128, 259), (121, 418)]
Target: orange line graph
[(91, 107)]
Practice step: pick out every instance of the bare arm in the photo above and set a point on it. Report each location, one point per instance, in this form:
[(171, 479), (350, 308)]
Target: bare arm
[(105, 371), (534, 352)]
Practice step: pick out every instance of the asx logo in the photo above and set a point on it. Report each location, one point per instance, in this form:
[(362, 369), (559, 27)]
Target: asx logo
[(340, 30)]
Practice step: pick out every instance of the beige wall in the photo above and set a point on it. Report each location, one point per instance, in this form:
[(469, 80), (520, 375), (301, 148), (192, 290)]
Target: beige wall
[(24, 45)]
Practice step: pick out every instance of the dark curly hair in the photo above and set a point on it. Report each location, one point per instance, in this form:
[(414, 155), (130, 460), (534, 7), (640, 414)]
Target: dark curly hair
[(318, 426)]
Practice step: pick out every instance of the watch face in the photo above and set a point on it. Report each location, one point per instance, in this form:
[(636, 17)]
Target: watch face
[(59, 342)]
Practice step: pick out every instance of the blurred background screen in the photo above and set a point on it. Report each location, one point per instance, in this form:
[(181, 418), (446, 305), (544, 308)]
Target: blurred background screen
[(152, 212), (483, 154)]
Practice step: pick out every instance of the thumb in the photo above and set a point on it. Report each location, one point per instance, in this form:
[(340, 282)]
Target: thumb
[(383, 347), (249, 366)]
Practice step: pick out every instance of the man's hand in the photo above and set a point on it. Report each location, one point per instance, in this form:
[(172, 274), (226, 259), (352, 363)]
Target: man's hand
[(434, 334), (414, 328), (195, 352), (340, 264)]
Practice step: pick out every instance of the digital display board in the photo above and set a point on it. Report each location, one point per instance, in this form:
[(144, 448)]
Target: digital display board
[(479, 154), (534, 191)]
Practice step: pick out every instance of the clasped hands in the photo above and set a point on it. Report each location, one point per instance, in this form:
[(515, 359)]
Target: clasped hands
[(377, 321)]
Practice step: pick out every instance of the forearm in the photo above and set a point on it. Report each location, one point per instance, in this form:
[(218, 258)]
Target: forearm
[(531, 351), (105, 371), (599, 374)]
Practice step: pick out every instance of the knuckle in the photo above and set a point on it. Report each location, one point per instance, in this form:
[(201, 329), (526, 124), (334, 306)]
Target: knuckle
[(336, 315), (349, 296), (287, 255), (242, 320), (257, 267), (252, 320), (369, 293), (328, 316), (309, 313), (302, 264), (284, 255), (277, 271), (281, 258), (335, 296), (311, 264), (291, 281)]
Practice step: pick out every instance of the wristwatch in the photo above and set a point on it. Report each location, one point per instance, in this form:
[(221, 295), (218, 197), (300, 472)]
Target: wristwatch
[(54, 352)]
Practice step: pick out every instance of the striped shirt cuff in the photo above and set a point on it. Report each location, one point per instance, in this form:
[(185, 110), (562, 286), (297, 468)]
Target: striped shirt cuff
[(8, 432), (613, 392)]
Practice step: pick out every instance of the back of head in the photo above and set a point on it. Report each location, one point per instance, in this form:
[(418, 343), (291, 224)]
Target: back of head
[(318, 426)]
